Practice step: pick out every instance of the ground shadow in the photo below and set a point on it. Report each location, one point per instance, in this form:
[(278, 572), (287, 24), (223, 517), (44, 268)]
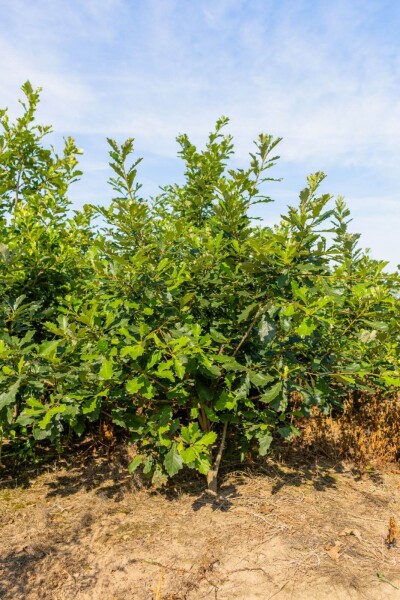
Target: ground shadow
[(319, 475), (222, 501), (92, 476), (20, 567), (16, 569), (293, 471), (104, 472), (108, 477)]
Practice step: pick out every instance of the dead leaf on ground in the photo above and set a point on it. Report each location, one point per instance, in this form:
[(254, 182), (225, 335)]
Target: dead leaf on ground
[(347, 531), (334, 550), (265, 509)]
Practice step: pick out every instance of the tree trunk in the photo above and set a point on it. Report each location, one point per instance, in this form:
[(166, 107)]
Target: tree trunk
[(212, 475)]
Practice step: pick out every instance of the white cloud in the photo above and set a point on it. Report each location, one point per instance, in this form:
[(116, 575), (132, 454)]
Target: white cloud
[(343, 111), (329, 91), (320, 74)]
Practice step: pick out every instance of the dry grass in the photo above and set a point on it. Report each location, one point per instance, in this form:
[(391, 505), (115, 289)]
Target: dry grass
[(367, 432)]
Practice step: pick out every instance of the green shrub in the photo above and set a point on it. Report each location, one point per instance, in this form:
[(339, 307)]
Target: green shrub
[(182, 320)]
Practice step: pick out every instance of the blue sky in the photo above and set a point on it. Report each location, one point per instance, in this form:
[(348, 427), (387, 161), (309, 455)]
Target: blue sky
[(323, 74)]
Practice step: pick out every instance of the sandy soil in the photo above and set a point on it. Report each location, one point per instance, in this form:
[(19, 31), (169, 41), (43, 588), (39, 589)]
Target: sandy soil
[(86, 531)]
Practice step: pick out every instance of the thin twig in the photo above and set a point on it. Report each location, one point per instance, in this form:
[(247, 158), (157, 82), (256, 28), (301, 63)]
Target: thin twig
[(247, 333)]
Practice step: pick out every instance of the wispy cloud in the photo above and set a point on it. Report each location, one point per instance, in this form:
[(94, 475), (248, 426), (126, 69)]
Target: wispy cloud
[(320, 80), (325, 76)]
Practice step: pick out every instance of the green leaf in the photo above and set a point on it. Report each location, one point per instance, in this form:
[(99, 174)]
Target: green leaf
[(191, 433), (179, 368), (35, 404), (137, 461), (194, 412), (25, 419), (106, 369), (148, 389), (189, 455), (280, 403), (185, 433), (211, 369), (164, 263), (134, 385), (229, 363), (244, 315), (148, 465), (7, 398), (390, 380), (306, 327), (21, 364), (207, 440), (288, 432), (133, 351), (260, 379), (217, 336), (203, 465), (155, 357), (264, 439), (226, 401), (272, 393), (173, 461), (56, 410), (89, 406), (41, 434), (186, 299), (79, 428), (49, 349), (285, 432), (211, 415), (347, 378), (165, 373)]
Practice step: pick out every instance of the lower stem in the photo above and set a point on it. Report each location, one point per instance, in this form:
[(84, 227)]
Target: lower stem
[(212, 475)]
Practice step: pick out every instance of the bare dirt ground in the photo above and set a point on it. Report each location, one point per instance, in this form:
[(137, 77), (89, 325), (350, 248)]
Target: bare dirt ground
[(87, 531)]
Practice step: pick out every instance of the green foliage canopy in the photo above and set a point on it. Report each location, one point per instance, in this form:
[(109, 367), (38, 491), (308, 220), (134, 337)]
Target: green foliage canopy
[(181, 317)]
